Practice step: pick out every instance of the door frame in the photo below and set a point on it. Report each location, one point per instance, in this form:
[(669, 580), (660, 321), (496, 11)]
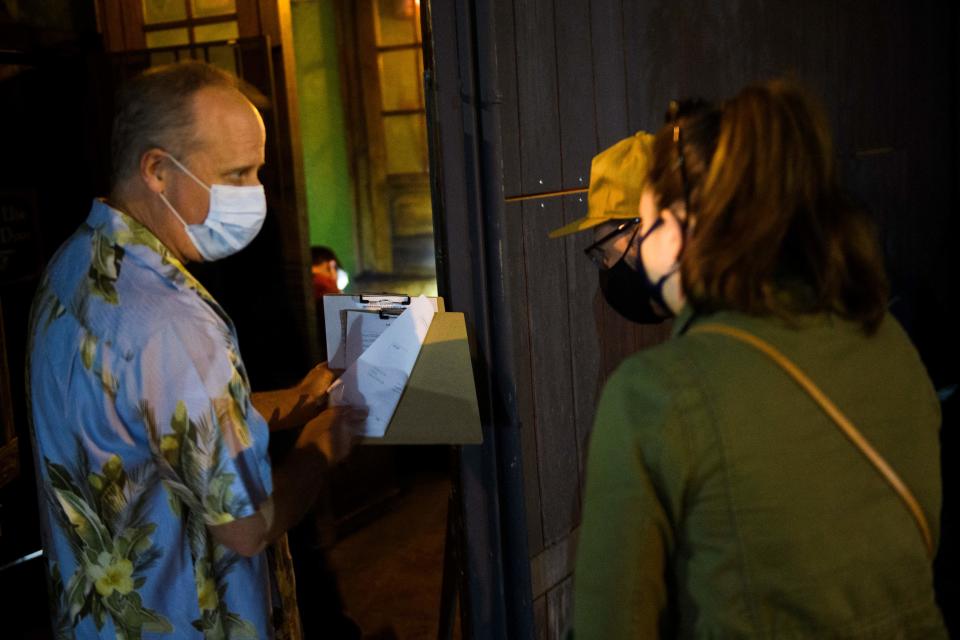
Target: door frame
[(463, 126)]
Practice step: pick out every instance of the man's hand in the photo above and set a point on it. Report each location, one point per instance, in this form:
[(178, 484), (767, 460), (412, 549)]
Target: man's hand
[(294, 407), (335, 430), (316, 384)]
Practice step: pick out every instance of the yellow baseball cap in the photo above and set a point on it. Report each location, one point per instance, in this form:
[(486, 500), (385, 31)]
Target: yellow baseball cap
[(617, 176)]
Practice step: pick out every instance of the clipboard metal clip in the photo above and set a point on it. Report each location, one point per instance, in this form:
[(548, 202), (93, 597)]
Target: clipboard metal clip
[(388, 313), (384, 298)]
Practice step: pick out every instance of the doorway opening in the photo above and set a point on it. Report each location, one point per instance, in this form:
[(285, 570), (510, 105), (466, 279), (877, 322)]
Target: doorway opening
[(360, 88), (363, 123)]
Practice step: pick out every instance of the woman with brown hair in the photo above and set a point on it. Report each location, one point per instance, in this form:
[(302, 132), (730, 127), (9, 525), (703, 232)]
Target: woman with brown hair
[(772, 470)]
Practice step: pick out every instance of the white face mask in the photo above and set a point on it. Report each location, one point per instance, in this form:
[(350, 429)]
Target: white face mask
[(233, 220)]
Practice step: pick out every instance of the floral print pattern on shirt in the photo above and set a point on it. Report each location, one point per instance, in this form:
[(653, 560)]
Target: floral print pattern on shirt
[(144, 436)]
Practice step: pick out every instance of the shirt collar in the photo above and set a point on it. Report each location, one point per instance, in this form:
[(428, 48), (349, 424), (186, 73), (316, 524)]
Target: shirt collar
[(138, 241)]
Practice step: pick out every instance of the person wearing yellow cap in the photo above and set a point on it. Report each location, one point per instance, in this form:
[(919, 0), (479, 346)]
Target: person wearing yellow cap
[(618, 176), (771, 470)]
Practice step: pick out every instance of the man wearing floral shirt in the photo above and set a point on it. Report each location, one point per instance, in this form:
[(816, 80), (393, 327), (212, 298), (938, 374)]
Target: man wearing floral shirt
[(159, 497)]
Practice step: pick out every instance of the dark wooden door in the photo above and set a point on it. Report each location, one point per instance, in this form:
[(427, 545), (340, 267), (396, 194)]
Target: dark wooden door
[(525, 93)]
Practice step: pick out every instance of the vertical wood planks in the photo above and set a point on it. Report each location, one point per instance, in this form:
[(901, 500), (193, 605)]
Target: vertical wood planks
[(650, 79), (606, 31), (869, 68), (584, 340), (928, 112), (547, 314), (780, 40), (514, 268), (578, 141), (547, 299), (520, 333), (817, 68), (537, 96), (575, 87), (507, 86)]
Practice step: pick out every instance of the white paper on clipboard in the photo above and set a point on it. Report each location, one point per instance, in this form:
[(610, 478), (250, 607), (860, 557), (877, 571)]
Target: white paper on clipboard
[(335, 308), (376, 380), (361, 329)]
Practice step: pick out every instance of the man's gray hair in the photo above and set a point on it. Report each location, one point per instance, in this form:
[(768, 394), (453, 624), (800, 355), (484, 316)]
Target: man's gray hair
[(154, 110)]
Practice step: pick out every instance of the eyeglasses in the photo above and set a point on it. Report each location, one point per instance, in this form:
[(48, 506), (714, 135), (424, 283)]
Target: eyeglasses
[(598, 256), (674, 113), (596, 251)]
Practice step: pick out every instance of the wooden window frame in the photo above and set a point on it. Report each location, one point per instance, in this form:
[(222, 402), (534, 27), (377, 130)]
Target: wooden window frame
[(190, 22), (365, 118), (122, 25)]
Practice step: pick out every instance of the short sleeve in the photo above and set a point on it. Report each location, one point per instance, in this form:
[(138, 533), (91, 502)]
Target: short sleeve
[(205, 436)]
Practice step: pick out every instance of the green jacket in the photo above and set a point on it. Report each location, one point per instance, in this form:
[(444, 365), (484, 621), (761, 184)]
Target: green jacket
[(721, 502)]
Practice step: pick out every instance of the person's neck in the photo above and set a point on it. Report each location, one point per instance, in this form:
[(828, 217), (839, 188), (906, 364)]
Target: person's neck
[(673, 293), (137, 204)]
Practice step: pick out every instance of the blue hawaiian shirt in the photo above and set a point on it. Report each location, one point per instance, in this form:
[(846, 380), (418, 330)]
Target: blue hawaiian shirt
[(144, 435)]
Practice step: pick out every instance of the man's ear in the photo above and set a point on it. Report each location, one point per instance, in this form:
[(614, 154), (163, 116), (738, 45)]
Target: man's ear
[(154, 169)]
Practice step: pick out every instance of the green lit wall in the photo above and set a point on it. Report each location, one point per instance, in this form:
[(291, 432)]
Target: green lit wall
[(330, 204)]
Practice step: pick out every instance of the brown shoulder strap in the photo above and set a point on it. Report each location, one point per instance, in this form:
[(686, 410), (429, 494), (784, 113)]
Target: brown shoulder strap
[(847, 427)]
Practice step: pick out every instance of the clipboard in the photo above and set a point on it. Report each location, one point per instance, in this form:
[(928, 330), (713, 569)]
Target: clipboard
[(336, 305), (439, 402)]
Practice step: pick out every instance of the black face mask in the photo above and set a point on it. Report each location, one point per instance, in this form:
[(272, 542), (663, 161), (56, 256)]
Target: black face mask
[(631, 294)]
